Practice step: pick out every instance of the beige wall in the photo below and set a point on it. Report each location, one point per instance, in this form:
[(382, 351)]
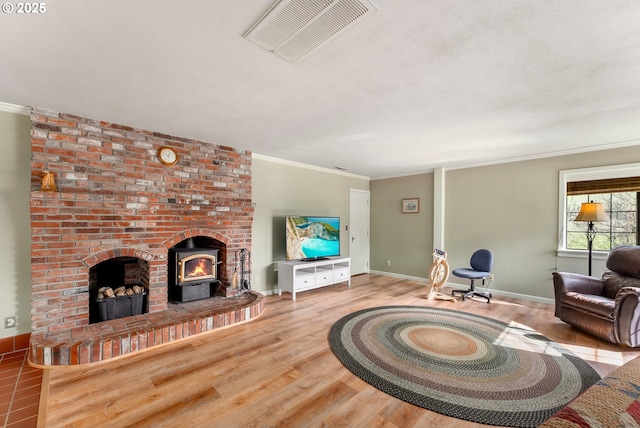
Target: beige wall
[(511, 208), (404, 239), (281, 189), (15, 251)]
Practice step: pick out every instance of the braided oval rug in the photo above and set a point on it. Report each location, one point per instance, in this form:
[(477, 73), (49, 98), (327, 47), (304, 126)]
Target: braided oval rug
[(461, 365)]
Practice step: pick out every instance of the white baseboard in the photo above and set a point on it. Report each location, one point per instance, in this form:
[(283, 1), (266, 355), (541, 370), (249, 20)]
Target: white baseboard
[(454, 285), (397, 275)]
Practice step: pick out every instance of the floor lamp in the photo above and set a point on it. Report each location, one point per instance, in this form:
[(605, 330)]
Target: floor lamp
[(591, 211)]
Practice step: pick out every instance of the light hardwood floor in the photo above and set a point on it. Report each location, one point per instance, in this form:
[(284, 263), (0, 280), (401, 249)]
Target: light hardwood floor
[(277, 370)]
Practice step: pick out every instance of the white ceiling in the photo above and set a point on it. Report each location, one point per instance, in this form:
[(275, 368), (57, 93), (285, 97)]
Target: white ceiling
[(416, 85)]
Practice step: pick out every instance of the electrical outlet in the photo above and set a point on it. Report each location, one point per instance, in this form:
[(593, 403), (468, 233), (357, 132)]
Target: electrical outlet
[(9, 322), (388, 262)]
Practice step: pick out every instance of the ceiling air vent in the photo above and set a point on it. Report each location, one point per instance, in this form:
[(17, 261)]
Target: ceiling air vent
[(292, 29)]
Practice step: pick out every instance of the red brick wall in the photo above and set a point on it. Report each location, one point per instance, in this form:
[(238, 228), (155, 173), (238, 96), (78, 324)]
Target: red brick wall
[(114, 198)]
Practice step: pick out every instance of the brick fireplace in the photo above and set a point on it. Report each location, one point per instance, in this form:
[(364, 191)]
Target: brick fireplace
[(116, 201)]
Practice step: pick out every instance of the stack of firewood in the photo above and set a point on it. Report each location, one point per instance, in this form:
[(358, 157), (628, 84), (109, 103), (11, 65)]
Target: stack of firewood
[(108, 292)]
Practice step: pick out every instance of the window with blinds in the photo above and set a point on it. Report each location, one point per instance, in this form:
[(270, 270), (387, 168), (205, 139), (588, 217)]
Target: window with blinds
[(620, 198)]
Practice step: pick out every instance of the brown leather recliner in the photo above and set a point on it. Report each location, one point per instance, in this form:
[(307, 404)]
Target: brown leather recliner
[(609, 307)]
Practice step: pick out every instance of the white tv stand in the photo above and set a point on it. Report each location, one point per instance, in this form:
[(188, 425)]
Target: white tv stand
[(296, 275)]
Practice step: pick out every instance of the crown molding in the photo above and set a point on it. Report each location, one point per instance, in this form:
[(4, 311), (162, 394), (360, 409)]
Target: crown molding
[(550, 154), (535, 156), (16, 109), (307, 166)]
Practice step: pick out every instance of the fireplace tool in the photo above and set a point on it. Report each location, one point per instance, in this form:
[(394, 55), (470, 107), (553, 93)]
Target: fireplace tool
[(242, 258)]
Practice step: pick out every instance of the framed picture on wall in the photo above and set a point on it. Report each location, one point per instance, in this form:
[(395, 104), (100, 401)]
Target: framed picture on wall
[(411, 205)]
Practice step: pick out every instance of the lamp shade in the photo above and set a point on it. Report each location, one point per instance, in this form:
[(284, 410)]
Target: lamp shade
[(592, 211)]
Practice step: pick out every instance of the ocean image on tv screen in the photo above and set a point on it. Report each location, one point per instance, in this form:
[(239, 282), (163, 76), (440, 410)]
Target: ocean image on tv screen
[(312, 237), (318, 247)]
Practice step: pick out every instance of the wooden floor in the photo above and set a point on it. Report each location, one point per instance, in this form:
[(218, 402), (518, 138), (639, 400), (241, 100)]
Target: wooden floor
[(278, 369)]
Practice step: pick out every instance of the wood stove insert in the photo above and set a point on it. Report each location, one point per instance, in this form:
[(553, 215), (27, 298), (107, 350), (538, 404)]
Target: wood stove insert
[(193, 272)]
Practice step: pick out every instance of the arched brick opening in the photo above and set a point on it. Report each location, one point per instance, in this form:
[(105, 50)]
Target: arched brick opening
[(120, 270)]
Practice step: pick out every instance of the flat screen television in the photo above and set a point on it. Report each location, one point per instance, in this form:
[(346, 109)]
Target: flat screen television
[(312, 238)]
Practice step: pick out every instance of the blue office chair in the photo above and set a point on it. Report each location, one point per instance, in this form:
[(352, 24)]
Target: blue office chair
[(481, 264)]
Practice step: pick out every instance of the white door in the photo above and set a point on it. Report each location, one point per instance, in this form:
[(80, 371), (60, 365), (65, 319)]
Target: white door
[(359, 231)]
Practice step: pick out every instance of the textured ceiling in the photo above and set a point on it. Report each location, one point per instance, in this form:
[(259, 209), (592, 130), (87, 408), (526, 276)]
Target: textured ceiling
[(418, 84)]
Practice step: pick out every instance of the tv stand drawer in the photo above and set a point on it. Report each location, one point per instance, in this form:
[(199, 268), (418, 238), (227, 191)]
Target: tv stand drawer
[(303, 282), (341, 275), (323, 278)]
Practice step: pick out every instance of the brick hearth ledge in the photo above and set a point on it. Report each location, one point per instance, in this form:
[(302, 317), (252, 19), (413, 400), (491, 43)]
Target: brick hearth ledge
[(119, 337)]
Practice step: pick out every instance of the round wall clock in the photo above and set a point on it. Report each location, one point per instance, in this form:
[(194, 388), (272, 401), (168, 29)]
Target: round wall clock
[(167, 155)]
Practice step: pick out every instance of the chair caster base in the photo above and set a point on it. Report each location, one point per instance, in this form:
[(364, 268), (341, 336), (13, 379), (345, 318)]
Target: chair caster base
[(472, 293)]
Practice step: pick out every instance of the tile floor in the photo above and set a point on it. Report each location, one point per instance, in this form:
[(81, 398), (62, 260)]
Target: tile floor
[(19, 390)]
